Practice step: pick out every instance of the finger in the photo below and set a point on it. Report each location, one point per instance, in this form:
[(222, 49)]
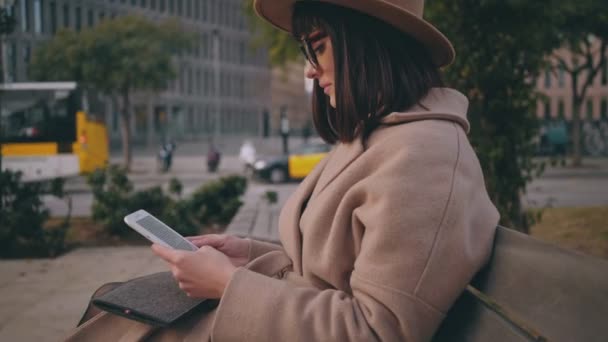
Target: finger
[(214, 240), (165, 253)]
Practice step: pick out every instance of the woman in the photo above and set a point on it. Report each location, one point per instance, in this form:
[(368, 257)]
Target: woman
[(383, 236)]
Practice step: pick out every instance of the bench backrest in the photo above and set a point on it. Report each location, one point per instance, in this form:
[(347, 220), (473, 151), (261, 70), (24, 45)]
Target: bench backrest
[(532, 291)]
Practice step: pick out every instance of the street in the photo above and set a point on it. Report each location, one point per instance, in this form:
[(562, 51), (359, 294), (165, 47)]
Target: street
[(559, 187)]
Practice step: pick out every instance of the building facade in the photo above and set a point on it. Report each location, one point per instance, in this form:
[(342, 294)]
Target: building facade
[(187, 108), (555, 111), (557, 86)]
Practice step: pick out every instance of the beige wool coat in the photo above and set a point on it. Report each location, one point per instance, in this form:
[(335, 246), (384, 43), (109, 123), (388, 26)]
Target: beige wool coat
[(378, 241)]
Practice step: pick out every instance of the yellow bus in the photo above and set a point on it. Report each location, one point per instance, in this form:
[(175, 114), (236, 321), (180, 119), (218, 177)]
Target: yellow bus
[(50, 130)]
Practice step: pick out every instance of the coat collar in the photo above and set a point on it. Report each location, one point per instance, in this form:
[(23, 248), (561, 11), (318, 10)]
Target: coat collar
[(439, 103)]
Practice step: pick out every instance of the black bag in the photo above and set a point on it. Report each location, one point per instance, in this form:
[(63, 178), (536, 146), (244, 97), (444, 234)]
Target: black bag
[(154, 299)]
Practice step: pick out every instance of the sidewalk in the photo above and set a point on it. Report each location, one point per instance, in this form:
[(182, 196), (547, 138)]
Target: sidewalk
[(43, 299)]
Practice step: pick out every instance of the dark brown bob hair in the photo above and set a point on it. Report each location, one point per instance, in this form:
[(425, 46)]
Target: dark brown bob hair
[(378, 70)]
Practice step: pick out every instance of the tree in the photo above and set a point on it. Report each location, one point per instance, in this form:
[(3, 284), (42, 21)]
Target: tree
[(584, 32), (501, 45), (282, 48), (116, 58)]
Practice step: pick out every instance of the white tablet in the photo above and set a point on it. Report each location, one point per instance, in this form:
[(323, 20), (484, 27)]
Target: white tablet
[(157, 232)]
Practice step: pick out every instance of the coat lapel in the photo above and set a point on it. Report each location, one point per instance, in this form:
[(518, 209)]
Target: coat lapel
[(343, 155), (289, 220)]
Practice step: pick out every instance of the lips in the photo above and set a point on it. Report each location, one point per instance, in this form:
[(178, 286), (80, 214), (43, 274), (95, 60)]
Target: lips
[(325, 88)]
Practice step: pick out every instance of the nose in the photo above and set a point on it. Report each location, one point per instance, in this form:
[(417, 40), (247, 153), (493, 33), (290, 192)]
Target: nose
[(310, 71)]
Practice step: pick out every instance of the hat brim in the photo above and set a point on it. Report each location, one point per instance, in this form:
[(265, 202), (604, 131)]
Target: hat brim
[(279, 13)]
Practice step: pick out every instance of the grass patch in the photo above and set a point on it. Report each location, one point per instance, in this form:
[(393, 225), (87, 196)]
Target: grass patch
[(581, 229)]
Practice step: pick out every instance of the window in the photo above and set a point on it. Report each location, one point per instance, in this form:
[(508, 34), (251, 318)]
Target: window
[(12, 56), (53, 16), (561, 76), (213, 15), (547, 109), (197, 9), (25, 15), (198, 82), (90, 18), (161, 5), (241, 53), (548, 78), (153, 5), (561, 110), (38, 17), (206, 82), (589, 109), (605, 73), (66, 15), (180, 7), (206, 53), (142, 3), (78, 18), (27, 53), (604, 109)]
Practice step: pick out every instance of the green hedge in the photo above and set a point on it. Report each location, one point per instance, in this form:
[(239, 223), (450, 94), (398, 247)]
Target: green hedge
[(22, 218), (213, 204)]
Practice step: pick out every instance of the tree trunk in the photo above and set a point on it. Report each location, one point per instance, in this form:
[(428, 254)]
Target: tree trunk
[(125, 129), (577, 159), (576, 122)]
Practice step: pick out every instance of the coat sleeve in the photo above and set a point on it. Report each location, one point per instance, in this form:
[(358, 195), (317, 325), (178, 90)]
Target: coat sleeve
[(428, 227), (258, 248)]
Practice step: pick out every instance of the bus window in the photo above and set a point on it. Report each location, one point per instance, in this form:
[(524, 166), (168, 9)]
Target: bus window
[(39, 116)]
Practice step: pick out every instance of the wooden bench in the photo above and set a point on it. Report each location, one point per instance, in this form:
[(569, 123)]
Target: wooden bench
[(531, 291)]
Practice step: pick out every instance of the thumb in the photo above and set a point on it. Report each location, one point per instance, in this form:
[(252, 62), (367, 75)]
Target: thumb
[(165, 253)]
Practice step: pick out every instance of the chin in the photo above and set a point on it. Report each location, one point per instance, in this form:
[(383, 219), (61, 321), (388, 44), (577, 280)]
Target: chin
[(332, 102)]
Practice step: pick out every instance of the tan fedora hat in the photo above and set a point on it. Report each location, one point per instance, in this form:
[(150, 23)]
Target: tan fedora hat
[(405, 15)]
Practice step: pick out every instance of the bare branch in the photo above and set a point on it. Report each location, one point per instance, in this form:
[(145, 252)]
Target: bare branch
[(593, 70), (561, 62)]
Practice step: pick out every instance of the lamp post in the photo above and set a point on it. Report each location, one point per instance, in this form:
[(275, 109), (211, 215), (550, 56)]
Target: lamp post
[(216, 66), (7, 25)]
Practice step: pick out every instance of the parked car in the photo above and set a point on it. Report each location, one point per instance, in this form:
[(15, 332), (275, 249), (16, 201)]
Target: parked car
[(553, 138), (297, 165)]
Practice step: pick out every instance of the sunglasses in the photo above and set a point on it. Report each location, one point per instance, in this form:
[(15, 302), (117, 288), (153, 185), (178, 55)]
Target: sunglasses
[(307, 49)]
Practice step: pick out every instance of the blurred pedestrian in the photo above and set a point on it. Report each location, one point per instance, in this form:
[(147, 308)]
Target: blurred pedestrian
[(213, 158), (247, 155)]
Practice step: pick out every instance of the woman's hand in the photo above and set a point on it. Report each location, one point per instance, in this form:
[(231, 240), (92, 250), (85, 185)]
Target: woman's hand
[(235, 248), (201, 274)]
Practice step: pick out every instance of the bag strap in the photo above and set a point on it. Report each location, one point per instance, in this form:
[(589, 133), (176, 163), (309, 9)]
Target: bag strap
[(108, 327)]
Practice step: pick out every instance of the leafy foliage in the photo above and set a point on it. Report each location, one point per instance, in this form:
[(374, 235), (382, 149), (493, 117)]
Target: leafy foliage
[(213, 204), (282, 48), (502, 47), (22, 218)]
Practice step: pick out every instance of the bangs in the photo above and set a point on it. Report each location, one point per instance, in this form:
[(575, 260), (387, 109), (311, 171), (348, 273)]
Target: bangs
[(305, 20)]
